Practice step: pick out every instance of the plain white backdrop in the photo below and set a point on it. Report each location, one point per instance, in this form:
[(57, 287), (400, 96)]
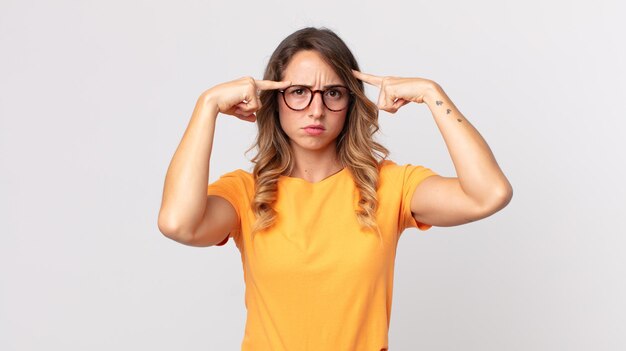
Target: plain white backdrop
[(95, 97)]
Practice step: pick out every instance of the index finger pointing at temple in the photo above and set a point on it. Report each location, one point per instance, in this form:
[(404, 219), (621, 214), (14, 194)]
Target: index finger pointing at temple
[(368, 78), (270, 84)]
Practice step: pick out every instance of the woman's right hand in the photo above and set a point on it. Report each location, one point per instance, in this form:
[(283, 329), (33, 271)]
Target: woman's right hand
[(239, 97)]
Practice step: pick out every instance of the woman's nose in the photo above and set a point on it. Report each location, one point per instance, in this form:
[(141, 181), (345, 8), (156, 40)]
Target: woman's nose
[(317, 104)]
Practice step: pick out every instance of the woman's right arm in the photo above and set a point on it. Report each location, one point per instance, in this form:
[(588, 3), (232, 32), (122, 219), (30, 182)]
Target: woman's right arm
[(184, 193), (187, 214)]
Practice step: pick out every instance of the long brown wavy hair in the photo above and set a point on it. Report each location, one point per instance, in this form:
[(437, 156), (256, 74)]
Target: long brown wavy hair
[(356, 148)]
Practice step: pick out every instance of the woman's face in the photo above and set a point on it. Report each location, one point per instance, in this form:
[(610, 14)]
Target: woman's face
[(308, 68)]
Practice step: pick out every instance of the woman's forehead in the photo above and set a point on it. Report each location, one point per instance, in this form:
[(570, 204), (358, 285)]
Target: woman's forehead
[(309, 68)]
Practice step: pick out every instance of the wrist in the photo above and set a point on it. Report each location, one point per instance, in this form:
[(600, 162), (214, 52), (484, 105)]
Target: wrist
[(433, 93), (207, 104), (208, 100)]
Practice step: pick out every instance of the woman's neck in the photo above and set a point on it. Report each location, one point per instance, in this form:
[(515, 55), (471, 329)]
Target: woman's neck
[(315, 166)]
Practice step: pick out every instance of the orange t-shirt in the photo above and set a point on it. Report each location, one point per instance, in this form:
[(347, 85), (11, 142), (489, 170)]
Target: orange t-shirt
[(316, 280)]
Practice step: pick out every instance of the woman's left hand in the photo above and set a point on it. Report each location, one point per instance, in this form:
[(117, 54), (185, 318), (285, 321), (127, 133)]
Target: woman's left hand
[(396, 92)]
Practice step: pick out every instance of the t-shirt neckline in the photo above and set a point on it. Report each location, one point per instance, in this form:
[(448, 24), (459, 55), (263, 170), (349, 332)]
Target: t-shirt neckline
[(325, 180)]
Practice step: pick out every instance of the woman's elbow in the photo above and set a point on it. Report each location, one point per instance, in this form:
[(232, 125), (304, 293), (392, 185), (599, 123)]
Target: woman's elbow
[(501, 198)]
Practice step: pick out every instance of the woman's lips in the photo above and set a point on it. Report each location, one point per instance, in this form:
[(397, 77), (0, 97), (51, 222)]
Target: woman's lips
[(313, 130)]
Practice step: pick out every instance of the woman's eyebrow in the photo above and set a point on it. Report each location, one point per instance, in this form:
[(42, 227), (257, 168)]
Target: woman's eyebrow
[(324, 87)]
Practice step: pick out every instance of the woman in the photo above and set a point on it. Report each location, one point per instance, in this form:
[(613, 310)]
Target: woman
[(318, 219)]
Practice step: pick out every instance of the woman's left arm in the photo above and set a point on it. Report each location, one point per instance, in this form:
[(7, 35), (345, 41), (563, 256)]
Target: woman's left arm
[(480, 188)]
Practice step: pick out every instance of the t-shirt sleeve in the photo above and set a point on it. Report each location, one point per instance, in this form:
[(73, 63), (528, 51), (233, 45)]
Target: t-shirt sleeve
[(230, 186), (412, 176)]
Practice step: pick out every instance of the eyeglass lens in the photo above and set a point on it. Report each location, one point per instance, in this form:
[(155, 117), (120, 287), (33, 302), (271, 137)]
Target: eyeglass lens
[(299, 97)]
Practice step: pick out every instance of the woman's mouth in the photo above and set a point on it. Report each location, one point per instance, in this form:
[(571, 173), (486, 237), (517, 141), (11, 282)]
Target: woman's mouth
[(314, 130)]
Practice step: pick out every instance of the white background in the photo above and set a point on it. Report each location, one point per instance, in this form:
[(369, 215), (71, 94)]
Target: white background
[(95, 97)]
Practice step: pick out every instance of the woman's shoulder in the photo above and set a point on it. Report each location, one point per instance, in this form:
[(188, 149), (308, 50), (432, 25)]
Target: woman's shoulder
[(386, 162), (387, 165), (238, 175), (240, 172), (391, 170), (390, 165)]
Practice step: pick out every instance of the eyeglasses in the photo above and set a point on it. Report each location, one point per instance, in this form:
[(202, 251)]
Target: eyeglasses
[(299, 97)]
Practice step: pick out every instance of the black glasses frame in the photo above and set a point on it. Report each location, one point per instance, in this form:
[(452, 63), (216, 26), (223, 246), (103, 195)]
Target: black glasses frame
[(313, 95)]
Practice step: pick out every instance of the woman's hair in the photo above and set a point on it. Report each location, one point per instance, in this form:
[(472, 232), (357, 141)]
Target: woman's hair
[(355, 144)]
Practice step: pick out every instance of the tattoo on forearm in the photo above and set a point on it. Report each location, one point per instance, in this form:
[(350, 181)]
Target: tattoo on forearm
[(439, 103)]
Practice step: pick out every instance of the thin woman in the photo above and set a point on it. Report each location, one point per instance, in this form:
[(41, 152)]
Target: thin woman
[(318, 218)]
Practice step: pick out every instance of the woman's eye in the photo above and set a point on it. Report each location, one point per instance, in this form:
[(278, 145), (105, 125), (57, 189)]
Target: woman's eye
[(334, 93)]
